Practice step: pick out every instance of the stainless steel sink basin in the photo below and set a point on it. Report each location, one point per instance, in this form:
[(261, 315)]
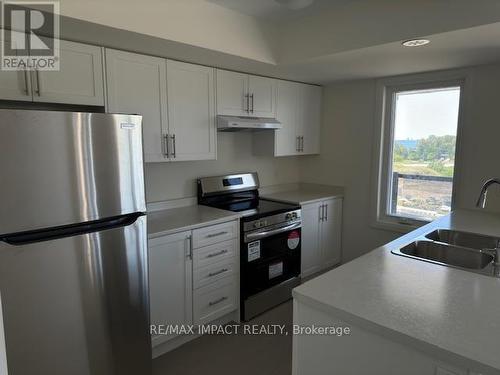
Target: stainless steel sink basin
[(451, 255), (464, 239)]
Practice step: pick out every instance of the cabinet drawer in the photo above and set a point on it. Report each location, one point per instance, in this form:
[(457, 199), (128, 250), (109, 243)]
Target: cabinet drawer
[(214, 234), (215, 300), (213, 272), (204, 256)]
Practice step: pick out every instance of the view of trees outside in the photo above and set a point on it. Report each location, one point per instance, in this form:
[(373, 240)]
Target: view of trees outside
[(423, 157)]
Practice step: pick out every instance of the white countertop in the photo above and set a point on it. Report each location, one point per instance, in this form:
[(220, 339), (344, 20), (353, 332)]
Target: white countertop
[(303, 193), (164, 222), (431, 306)]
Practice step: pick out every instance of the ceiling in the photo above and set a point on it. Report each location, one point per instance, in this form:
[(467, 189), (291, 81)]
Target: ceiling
[(276, 10), (330, 40), (334, 40)]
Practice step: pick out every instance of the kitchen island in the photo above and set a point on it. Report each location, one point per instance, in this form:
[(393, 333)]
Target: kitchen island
[(405, 316)]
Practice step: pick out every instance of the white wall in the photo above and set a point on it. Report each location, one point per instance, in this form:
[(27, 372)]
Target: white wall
[(194, 22), (347, 142), (177, 180), (345, 160)]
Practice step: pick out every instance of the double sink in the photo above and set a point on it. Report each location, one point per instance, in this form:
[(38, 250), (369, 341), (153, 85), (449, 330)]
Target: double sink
[(468, 251)]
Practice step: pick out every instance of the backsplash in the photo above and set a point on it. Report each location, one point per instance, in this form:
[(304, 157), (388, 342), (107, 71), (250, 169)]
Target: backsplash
[(165, 181)]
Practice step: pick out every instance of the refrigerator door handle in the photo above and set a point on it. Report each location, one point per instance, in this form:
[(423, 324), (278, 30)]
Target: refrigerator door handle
[(40, 235)]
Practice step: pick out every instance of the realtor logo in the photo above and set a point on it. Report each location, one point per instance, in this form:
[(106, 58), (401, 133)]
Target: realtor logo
[(30, 36)]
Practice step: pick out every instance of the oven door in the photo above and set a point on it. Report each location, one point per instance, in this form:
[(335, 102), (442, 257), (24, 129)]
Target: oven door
[(269, 257)]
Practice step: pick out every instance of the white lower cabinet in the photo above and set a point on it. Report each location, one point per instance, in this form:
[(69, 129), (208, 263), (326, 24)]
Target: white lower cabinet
[(170, 287), (215, 300), (321, 235), (193, 279)]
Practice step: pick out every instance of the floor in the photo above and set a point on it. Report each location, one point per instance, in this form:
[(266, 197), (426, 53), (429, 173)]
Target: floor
[(234, 354)]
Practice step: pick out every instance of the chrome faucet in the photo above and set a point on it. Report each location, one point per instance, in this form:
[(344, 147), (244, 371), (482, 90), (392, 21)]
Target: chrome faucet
[(481, 200)]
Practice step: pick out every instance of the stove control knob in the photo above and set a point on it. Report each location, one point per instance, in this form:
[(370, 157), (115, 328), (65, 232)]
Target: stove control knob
[(288, 216), (294, 215), (256, 224)]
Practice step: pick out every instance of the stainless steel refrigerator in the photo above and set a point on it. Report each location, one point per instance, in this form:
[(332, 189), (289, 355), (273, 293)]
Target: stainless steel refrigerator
[(73, 251)]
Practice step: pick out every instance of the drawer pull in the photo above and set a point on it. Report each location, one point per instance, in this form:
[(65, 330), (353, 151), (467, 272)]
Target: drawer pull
[(212, 235), (211, 274), (217, 254), (213, 303)]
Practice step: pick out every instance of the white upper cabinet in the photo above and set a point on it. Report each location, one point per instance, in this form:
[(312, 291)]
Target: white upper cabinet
[(245, 95), (310, 118), (137, 84), (286, 138), (15, 85), (170, 281), (191, 111), (79, 80), (262, 92), (232, 93), (298, 109), (176, 100)]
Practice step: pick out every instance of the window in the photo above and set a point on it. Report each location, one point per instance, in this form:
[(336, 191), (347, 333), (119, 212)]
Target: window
[(419, 138)]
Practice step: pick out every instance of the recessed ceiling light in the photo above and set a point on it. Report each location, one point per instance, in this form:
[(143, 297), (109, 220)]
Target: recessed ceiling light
[(415, 42)]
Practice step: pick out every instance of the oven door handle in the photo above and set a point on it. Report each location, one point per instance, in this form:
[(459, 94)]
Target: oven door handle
[(259, 235)]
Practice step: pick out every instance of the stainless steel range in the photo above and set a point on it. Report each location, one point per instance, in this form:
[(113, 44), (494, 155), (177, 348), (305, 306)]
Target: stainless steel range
[(270, 240)]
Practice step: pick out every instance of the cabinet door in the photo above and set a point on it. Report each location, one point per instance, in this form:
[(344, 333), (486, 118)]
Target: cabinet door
[(310, 249), (191, 111), (79, 80), (262, 93), (286, 141), (16, 84), (310, 118), (331, 232), (232, 93), (170, 282), (138, 84)]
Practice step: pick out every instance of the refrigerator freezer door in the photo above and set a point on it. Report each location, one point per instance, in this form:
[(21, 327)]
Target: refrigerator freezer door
[(78, 305), (61, 168)]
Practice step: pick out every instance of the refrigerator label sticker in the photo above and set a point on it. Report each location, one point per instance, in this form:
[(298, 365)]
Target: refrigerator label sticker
[(127, 125), (253, 251), (275, 270)]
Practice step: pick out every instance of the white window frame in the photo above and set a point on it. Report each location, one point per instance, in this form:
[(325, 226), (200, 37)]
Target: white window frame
[(384, 132)]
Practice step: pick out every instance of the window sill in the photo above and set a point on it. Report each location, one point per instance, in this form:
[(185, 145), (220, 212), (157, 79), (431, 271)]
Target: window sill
[(394, 226)]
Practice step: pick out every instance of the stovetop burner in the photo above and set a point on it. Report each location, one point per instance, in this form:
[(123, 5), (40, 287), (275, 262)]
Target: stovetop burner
[(239, 193), (256, 208)]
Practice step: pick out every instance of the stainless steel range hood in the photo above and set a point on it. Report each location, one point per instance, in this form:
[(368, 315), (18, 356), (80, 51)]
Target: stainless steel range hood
[(237, 123)]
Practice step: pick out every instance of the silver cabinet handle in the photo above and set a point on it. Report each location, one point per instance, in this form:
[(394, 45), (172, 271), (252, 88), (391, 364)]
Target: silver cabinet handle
[(165, 146), (247, 109), (37, 89), (326, 212), (174, 152), (301, 144), (26, 89), (189, 248), (320, 213), (222, 299), (251, 96), (212, 274), (217, 254), (212, 235), (297, 146)]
